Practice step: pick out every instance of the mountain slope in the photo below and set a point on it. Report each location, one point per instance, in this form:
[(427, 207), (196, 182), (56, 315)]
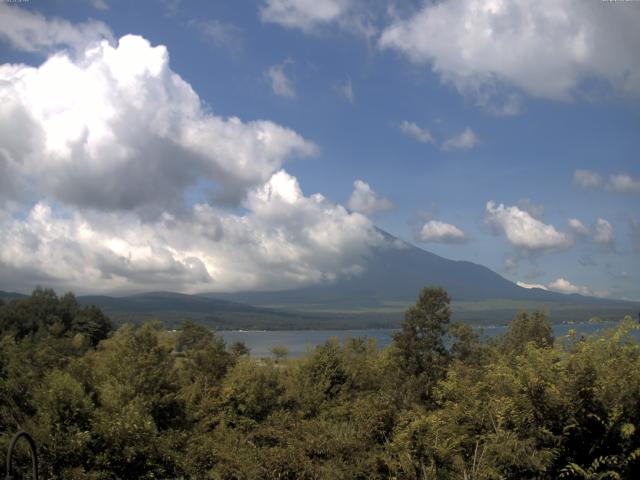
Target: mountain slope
[(163, 301), (174, 308), (8, 296), (398, 274), (390, 282), (393, 277)]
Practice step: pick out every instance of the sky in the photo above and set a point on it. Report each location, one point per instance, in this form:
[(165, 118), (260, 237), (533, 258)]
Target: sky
[(260, 144)]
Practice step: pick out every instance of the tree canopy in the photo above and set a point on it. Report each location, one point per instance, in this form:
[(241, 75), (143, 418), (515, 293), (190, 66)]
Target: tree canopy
[(45, 314), (440, 402)]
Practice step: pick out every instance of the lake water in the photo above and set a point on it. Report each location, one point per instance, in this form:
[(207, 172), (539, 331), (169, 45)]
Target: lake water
[(301, 341)]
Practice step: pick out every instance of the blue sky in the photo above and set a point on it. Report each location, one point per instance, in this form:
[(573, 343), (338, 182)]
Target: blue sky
[(437, 108)]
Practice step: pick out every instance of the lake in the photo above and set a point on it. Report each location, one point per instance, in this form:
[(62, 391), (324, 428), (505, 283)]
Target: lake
[(300, 341)]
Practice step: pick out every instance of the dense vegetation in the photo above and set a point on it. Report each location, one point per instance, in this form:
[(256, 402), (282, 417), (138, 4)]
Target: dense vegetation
[(141, 402)]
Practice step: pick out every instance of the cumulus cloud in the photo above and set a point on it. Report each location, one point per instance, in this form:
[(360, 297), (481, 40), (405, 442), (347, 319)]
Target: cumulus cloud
[(587, 178), (623, 183), (523, 230), (618, 182), (105, 157), (421, 134), (435, 231), (366, 201), (285, 239), (31, 32), (465, 140), (536, 210), (578, 227), (531, 285), (118, 129), (603, 233), (281, 84), (481, 47), (564, 286)]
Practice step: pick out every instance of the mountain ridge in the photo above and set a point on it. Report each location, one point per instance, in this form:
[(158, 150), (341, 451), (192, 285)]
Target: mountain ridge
[(391, 280), (398, 274)]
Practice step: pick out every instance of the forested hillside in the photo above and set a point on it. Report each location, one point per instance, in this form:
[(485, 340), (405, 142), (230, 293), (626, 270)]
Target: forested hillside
[(142, 402)]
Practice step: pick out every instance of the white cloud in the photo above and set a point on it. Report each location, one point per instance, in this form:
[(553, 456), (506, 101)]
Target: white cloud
[(305, 15), (106, 152), (281, 84), (118, 129), (587, 178), (366, 201), (345, 90), (435, 231), (531, 285), (284, 240), (421, 134), (623, 183), (564, 286), (523, 230), (578, 227), (32, 32), (603, 234), (465, 140), (618, 182), (546, 48), (220, 34), (536, 210)]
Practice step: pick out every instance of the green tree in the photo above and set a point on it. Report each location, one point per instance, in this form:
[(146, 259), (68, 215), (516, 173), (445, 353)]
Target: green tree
[(321, 377), (202, 367), (239, 349), (420, 343), (466, 346), (252, 391), (62, 424), (43, 314), (136, 386), (528, 327)]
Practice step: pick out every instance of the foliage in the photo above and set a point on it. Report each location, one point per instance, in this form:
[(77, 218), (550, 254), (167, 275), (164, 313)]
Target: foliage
[(421, 352), (280, 352), (439, 403), (528, 327), (44, 314)]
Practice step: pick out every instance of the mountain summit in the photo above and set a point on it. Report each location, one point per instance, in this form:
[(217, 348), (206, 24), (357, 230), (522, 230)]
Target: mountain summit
[(396, 275)]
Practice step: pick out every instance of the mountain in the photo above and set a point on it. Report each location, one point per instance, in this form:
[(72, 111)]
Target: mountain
[(7, 296), (173, 308), (164, 301), (398, 274), (389, 283), (393, 277)]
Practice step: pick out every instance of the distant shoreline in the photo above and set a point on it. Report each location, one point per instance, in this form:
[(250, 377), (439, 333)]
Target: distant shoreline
[(299, 342)]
